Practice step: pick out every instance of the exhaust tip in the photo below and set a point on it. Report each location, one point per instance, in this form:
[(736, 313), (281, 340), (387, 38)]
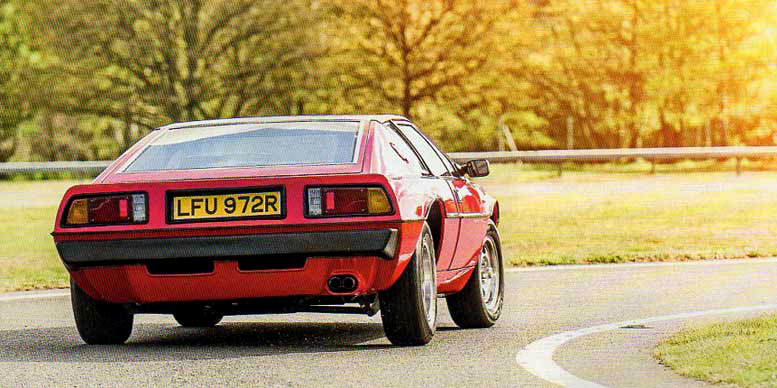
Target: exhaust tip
[(335, 284), (342, 284), (349, 283)]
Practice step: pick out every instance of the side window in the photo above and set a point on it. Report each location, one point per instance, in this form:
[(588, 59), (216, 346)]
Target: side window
[(427, 151), (400, 153), (448, 163)]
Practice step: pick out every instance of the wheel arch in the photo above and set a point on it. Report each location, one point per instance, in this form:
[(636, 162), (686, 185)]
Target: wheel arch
[(434, 218), (495, 213)]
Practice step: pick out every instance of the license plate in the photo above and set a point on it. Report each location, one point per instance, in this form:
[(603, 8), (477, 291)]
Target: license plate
[(227, 206)]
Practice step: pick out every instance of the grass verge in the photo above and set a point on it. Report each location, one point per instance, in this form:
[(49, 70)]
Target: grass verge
[(28, 258), (741, 352), (613, 217), (598, 214)]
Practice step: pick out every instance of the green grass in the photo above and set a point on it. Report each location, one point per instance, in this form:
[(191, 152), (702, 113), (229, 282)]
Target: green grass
[(607, 213), (741, 352), (642, 166), (28, 258), (623, 216)]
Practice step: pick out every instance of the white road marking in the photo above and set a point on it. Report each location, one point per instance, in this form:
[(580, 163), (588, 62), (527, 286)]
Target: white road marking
[(537, 357), (642, 265), (34, 295)]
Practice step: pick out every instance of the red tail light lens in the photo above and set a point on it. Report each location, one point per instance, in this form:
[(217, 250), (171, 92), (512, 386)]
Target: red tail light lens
[(107, 210), (347, 201)]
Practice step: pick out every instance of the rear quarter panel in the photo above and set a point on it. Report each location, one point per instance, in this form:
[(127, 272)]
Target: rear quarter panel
[(415, 194)]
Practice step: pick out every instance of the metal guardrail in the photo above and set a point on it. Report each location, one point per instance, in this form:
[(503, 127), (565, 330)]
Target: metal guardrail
[(605, 155), (549, 156), (94, 167)]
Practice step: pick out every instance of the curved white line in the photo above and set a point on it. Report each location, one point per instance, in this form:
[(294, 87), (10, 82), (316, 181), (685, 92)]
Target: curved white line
[(33, 295), (537, 357)]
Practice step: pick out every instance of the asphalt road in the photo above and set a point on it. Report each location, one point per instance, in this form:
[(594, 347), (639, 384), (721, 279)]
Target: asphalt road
[(39, 345)]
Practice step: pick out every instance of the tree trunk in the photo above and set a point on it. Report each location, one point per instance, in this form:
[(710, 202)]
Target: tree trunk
[(407, 102)]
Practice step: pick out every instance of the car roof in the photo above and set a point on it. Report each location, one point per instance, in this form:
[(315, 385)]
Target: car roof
[(281, 119)]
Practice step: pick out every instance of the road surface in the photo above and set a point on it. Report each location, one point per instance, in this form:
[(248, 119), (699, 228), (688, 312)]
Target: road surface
[(39, 345)]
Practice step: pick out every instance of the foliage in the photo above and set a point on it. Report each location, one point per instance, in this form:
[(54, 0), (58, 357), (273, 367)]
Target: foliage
[(53, 136), (14, 53), (146, 63), (633, 73), (85, 79), (411, 51)]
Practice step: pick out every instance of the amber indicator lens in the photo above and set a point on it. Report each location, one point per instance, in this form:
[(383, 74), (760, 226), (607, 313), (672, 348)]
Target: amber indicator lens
[(377, 201), (78, 214)]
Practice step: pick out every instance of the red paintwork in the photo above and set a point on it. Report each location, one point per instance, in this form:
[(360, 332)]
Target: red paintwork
[(133, 284), (412, 196), (450, 282)]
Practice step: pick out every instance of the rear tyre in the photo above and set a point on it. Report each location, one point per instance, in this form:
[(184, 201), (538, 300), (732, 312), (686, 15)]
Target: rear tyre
[(198, 318), (479, 304), (409, 308), (99, 323)]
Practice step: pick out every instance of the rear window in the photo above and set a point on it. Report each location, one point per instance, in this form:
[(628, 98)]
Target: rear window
[(250, 145)]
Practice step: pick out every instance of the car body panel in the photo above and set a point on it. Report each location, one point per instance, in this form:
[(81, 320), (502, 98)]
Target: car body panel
[(465, 210), (134, 284), (417, 194), (474, 216)]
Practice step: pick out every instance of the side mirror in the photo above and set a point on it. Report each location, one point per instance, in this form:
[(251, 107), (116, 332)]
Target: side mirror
[(476, 168)]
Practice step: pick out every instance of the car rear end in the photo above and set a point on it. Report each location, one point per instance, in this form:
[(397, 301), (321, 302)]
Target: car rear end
[(233, 211)]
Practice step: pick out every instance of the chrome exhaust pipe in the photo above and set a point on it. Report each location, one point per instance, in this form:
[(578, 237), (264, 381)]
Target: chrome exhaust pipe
[(339, 284), (335, 284), (349, 283)]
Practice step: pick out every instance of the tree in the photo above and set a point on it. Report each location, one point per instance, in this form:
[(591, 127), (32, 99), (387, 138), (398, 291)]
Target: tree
[(14, 55), (618, 73), (733, 25), (660, 73), (395, 55), (148, 62)]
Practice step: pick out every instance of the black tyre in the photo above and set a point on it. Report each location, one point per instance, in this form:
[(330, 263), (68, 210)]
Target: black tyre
[(409, 308), (479, 304), (99, 323), (198, 318)]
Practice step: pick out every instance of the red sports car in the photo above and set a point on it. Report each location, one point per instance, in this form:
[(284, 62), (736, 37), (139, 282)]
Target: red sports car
[(336, 214)]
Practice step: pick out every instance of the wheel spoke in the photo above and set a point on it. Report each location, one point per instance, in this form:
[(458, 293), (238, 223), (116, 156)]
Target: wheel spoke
[(428, 289), (489, 275)]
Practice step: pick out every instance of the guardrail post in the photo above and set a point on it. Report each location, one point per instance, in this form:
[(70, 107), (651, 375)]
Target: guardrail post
[(739, 166), (652, 166), (560, 168)]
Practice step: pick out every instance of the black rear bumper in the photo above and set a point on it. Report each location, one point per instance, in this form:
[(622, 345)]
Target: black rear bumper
[(380, 242)]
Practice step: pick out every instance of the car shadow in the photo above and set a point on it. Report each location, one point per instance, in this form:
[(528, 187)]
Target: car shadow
[(164, 342)]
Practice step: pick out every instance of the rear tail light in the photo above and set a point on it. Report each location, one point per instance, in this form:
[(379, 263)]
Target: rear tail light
[(347, 201), (107, 210)]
